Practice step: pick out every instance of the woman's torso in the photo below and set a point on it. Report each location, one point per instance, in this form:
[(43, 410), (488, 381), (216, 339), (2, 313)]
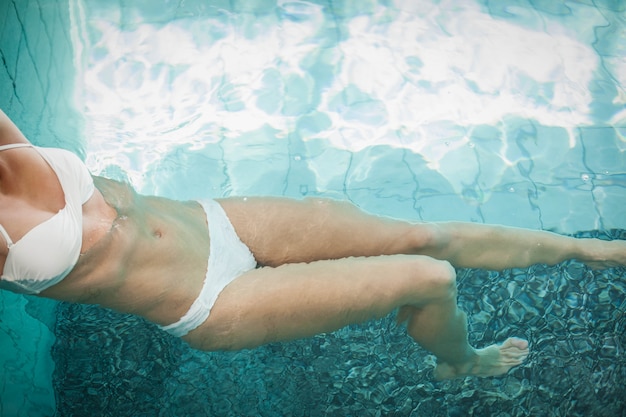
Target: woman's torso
[(141, 255), (151, 261)]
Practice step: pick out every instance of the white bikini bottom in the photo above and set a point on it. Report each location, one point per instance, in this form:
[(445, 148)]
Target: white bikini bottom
[(229, 258)]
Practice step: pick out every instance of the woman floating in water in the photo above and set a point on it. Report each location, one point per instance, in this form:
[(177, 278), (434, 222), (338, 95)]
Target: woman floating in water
[(236, 273)]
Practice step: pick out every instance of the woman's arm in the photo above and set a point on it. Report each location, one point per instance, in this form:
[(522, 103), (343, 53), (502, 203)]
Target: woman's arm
[(9, 133)]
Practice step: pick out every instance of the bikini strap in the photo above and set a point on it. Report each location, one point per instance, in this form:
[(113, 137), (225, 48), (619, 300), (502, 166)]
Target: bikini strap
[(14, 145), (6, 236)]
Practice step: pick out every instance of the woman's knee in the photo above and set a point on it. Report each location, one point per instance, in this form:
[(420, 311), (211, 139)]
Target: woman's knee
[(442, 277), (428, 238), (431, 280)]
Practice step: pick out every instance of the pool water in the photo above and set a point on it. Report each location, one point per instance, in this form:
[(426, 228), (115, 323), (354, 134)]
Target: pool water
[(507, 112), (120, 365)]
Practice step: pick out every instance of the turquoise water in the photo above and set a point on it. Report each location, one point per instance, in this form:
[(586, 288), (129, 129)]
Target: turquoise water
[(507, 112)]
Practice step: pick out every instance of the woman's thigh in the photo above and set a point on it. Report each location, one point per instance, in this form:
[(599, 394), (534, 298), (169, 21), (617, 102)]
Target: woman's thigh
[(300, 300), (282, 230)]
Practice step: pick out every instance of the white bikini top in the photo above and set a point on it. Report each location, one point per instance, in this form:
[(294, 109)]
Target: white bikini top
[(47, 253)]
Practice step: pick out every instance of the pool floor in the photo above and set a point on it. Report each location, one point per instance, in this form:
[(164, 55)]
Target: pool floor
[(117, 365)]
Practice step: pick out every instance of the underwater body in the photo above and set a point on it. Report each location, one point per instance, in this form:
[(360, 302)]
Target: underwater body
[(510, 113)]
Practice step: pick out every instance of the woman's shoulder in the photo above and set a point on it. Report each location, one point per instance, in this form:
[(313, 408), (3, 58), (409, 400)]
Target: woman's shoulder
[(9, 132)]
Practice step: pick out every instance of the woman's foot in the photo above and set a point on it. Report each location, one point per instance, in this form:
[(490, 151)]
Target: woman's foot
[(490, 361)]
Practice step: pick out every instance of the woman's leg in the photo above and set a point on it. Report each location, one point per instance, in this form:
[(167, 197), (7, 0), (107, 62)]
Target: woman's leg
[(473, 245), (280, 230), (300, 300)]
